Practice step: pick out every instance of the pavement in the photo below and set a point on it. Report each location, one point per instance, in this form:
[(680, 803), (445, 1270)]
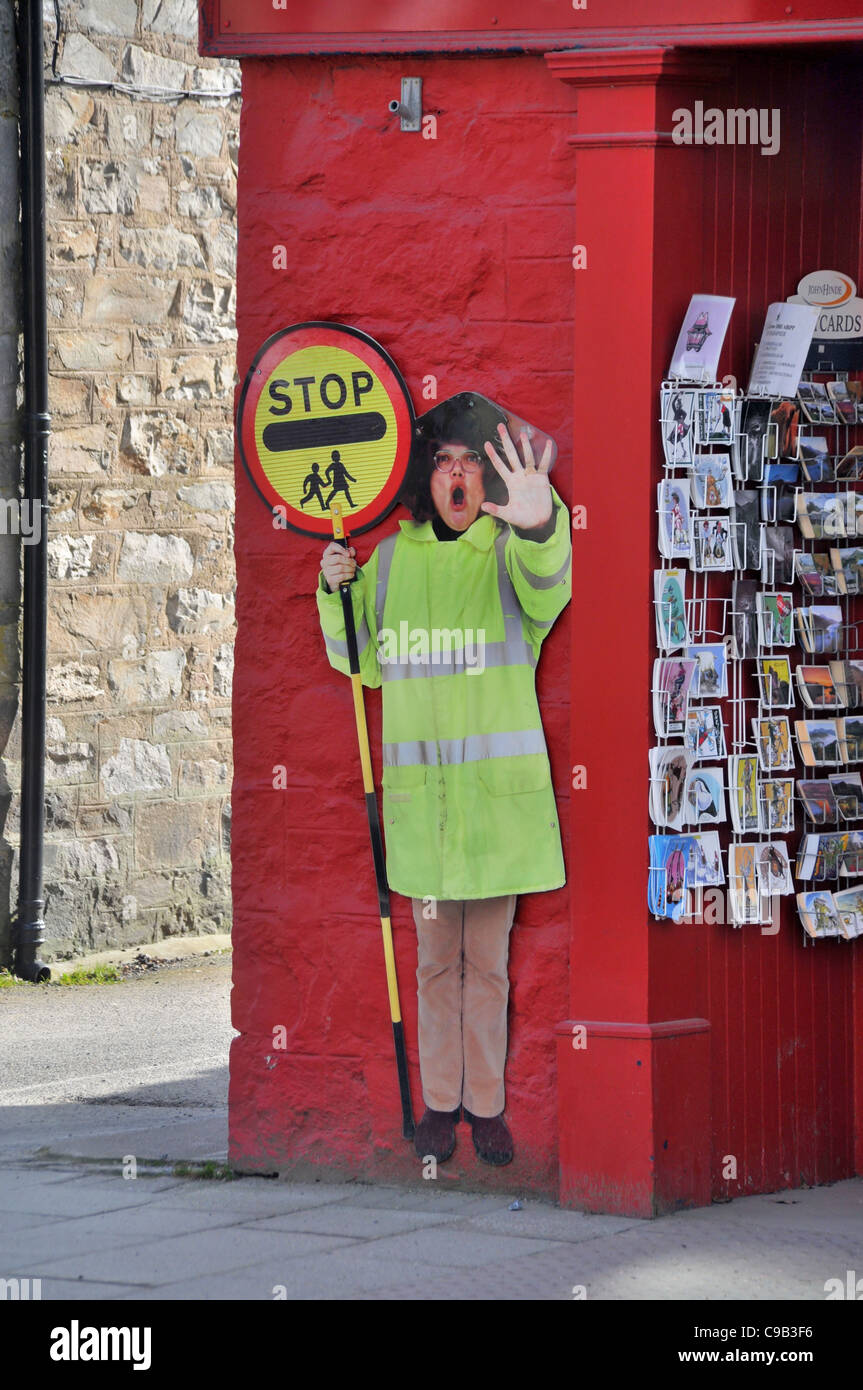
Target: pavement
[(124, 1080)]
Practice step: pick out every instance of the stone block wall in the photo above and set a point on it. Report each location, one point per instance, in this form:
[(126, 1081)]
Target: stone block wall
[(141, 176)]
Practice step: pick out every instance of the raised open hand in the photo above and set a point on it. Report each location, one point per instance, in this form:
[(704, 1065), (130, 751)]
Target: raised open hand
[(530, 502)]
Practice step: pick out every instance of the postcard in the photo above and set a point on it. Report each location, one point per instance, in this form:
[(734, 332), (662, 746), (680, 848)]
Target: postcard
[(849, 910), (743, 792), (746, 529), (843, 404), (711, 675), (847, 787), (705, 796), (819, 801), (774, 681), (785, 418), (773, 740), (678, 413), (816, 687), (775, 620), (705, 732), (699, 343), (717, 417), (818, 742), (821, 515), (777, 805), (667, 879), (673, 680), (705, 867), (673, 505), (669, 588), (816, 574), (744, 611), (815, 460), (743, 883), (773, 869), (851, 464), (754, 440), (847, 564), (669, 768), (818, 914), (712, 543), (777, 555), (848, 679), (711, 481), (851, 738)]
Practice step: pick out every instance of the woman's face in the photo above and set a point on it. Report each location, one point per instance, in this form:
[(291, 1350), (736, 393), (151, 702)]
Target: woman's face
[(457, 494)]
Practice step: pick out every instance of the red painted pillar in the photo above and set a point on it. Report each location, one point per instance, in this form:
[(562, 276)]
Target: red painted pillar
[(633, 1058)]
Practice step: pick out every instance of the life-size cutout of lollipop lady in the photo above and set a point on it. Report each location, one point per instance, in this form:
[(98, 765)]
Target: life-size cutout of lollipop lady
[(450, 615)]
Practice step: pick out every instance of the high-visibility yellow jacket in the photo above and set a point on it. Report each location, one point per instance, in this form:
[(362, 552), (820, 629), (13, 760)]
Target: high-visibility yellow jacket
[(452, 631)]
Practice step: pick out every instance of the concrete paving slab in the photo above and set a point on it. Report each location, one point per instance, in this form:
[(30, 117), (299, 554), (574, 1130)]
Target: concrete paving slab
[(341, 1218), (180, 1258), (117, 1229), (428, 1197), (452, 1249), (258, 1196), (77, 1290), (549, 1223), (23, 1192)]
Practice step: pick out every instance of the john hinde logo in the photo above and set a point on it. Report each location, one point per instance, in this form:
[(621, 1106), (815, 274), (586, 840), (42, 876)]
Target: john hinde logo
[(76, 1343), (734, 126)]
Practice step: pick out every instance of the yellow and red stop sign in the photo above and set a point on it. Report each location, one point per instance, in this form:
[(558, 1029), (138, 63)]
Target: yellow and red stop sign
[(325, 417)]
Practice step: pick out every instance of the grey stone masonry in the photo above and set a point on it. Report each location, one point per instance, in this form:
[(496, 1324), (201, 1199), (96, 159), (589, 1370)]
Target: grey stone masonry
[(142, 139)]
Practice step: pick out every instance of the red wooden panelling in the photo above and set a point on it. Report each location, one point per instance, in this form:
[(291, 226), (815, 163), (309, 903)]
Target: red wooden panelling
[(781, 1011)]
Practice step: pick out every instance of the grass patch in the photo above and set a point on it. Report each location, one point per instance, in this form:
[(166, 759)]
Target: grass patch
[(7, 980), (95, 975), (210, 1170)]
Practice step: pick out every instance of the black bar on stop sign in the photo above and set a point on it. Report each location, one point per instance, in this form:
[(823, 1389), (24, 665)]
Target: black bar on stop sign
[(285, 435)]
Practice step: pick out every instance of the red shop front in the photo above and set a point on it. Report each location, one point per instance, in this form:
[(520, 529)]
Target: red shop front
[(455, 247)]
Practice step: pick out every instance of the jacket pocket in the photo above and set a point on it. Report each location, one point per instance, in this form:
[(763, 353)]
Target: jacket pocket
[(511, 776), (399, 783)]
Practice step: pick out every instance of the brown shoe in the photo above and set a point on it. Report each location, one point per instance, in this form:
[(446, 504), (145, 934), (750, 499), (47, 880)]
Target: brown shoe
[(435, 1134), (491, 1138)]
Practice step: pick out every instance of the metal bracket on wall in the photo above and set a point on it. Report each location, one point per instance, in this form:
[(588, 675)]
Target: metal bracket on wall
[(410, 108)]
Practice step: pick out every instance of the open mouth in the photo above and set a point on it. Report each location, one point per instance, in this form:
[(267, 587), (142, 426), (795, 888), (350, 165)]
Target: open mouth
[(458, 497)]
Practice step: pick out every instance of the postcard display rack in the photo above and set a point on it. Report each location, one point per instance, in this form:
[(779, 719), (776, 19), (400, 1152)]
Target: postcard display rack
[(755, 776)]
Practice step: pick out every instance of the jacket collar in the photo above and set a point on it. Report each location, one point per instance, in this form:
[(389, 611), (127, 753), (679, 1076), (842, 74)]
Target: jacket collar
[(480, 534)]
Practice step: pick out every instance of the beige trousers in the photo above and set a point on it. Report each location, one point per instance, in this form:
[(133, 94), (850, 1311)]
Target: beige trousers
[(463, 989)]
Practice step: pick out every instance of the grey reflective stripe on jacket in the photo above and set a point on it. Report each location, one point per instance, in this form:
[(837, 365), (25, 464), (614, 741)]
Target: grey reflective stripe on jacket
[(385, 560), (544, 581), (339, 647), (472, 749), (514, 650)]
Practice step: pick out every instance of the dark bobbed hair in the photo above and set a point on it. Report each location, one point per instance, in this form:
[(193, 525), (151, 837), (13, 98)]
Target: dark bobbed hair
[(465, 419)]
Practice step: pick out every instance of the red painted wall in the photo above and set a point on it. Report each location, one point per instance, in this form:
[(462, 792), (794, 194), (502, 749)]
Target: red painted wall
[(455, 254)]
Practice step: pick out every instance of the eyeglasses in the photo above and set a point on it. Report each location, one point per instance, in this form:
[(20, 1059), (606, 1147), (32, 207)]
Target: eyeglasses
[(444, 462)]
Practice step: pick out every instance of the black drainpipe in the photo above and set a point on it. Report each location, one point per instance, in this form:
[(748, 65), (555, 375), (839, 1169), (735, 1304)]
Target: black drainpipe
[(29, 926)]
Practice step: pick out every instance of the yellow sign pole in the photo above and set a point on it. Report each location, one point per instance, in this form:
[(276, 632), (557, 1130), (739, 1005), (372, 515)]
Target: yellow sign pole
[(340, 535)]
